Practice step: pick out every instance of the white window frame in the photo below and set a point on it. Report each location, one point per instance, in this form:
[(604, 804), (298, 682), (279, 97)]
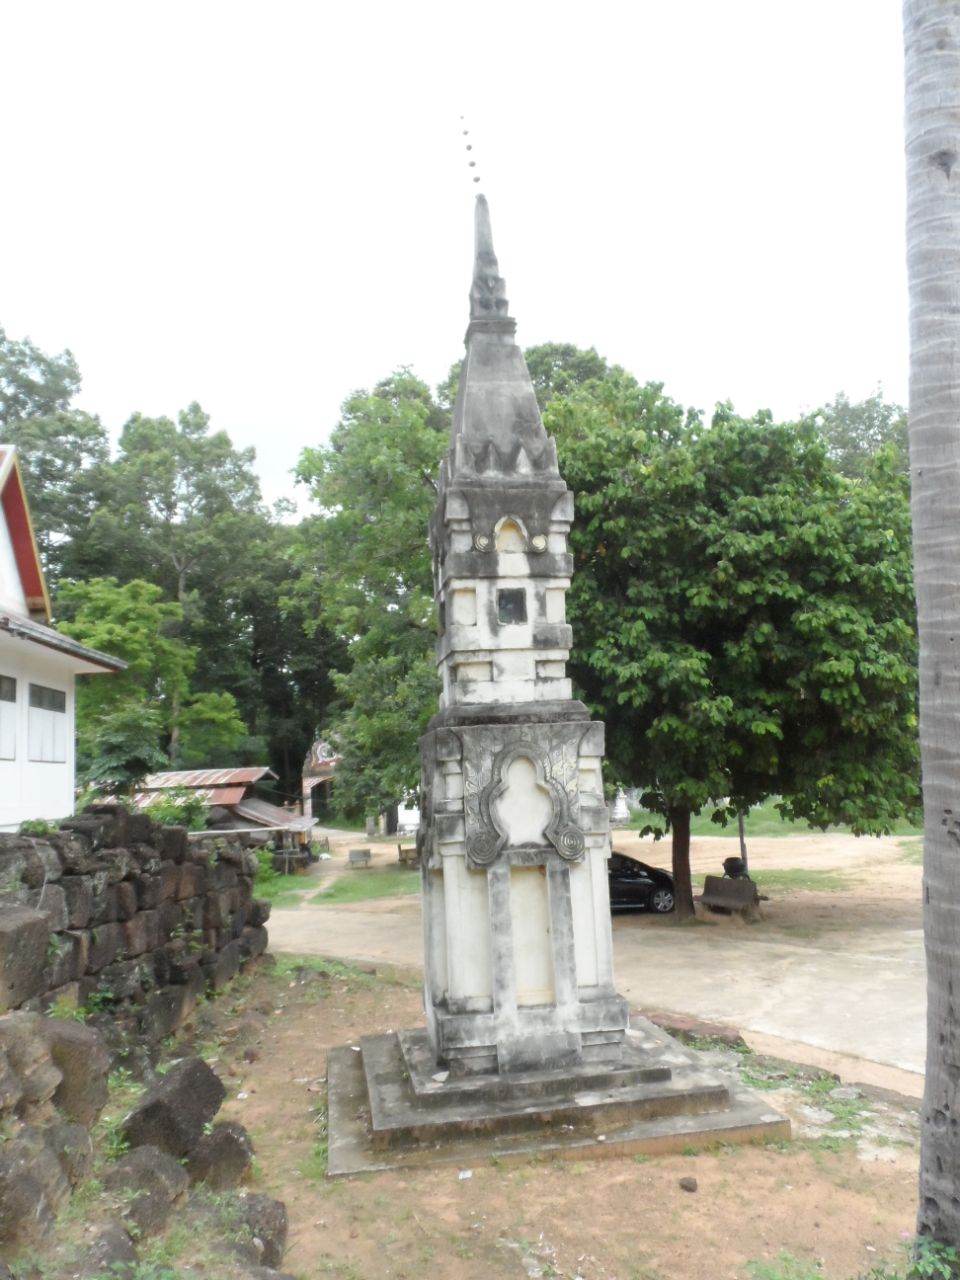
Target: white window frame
[(8, 718), (46, 724)]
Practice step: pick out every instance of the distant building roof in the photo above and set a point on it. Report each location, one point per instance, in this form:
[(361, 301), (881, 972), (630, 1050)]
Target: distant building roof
[(193, 778), (16, 513)]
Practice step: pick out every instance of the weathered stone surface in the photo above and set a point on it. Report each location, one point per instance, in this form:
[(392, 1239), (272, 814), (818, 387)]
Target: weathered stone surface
[(106, 942), (253, 941), (149, 1171), (173, 1113), (10, 1089), (32, 1188), (225, 966), (83, 1060), (103, 908), (41, 864), (267, 1222), (24, 934), (66, 959), (140, 933), (123, 979), (22, 1040), (222, 1157), (111, 1254), (127, 905), (148, 888), (78, 893), (163, 1012), (172, 843), (119, 864), (51, 901), (192, 880), (73, 1148), (259, 911), (77, 852)]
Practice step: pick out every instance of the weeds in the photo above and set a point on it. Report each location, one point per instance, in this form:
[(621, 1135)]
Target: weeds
[(785, 1267)]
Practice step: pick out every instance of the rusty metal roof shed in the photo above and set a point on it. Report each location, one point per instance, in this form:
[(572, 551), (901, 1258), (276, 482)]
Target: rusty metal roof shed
[(196, 778)]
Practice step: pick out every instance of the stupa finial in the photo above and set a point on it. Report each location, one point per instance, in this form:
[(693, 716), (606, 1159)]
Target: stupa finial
[(488, 297)]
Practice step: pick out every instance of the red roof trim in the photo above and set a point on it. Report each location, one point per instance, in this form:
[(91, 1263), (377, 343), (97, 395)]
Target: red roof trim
[(17, 515)]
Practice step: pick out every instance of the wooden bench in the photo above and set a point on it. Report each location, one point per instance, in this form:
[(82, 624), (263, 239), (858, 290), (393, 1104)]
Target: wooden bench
[(358, 858), (727, 896)]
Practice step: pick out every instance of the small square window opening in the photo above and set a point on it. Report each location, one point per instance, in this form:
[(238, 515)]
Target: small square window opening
[(512, 605)]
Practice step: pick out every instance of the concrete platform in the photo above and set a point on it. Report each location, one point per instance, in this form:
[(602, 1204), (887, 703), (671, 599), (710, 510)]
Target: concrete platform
[(377, 1119)]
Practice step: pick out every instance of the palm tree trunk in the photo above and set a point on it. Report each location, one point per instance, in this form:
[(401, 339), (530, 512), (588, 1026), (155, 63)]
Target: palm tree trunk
[(932, 46)]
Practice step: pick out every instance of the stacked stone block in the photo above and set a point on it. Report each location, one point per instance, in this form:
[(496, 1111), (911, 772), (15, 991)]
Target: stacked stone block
[(115, 913)]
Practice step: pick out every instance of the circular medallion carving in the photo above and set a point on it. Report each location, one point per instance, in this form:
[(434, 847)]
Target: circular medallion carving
[(481, 542), (483, 848), (538, 542), (570, 842)]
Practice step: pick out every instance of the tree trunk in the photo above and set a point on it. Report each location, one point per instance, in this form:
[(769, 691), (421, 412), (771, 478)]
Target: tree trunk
[(743, 842), (932, 47), (682, 884)]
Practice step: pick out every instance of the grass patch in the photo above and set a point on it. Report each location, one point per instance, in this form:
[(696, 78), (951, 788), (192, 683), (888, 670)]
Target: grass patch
[(799, 880), (371, 882), (912, 851), (763, 820), (784, 1267)]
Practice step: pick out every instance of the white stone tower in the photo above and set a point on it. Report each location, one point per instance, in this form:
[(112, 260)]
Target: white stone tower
[(515, 835)]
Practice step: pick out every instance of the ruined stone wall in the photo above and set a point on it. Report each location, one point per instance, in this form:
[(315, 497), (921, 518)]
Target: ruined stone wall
[(124, 917)]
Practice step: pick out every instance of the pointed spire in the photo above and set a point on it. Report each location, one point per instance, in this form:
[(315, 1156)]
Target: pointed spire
[(488, 298)]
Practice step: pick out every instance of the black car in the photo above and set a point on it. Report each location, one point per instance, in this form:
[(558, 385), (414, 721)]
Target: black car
[(634, 886)]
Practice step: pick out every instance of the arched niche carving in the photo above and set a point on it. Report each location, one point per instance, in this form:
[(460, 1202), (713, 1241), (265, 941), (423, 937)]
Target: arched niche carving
[(558, 830), (510, 534)]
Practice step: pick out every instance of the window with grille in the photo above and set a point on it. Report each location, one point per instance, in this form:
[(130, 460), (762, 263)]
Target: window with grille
[(8, 718), (47, 725)]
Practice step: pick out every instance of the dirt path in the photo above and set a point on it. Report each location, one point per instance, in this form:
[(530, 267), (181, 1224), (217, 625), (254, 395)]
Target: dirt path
[(841, 972), (617, 1219)]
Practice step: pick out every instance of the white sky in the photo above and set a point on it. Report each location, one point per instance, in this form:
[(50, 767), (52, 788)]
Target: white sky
[(265, 206)]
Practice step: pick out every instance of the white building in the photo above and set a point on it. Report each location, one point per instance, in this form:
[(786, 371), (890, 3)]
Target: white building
[(38, 668)]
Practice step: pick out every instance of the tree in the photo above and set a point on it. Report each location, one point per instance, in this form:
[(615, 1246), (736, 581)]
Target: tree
[(741, 613), (366, 566), (211, 731), (62, 450), (123, 748), (932, 46), (855, 433)]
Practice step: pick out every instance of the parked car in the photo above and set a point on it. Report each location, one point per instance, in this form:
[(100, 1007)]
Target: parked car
[(635, 886)]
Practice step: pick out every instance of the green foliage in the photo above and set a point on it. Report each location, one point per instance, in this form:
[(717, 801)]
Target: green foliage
[(211, 731), (37, 827), (121, 748), (925, 1260), (856, 433), (743, 614), (762, 820), (280, 889), (366, 564), (179, 807)]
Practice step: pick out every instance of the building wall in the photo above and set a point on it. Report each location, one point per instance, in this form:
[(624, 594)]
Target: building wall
[(32, 788), (12, 599)]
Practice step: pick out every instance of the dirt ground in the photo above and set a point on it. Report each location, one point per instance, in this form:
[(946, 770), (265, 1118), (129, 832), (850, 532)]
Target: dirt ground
[(833, 975), (838, 1197)]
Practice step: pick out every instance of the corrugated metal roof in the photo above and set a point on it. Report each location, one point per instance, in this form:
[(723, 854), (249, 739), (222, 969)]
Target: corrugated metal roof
[(226, 796), (270, 815), (194, 778)]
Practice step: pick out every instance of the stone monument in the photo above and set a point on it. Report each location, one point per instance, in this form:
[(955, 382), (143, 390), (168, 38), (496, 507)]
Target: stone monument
[(527, 1045)]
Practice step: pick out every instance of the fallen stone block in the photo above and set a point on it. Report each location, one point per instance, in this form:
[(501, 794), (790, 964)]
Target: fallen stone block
[(83, 1060), (24, 934), (266, 1219), (28, 1054), (156, 1182), (163, 1013), (222, 1158), (111, 1254), (174, 1112), (32, 1189), (71, 1145)]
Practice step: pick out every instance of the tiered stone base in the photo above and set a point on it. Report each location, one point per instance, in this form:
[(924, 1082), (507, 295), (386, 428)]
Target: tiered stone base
[(390, 1106)]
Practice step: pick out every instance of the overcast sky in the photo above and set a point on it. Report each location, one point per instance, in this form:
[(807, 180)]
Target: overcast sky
[(263, 206)]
